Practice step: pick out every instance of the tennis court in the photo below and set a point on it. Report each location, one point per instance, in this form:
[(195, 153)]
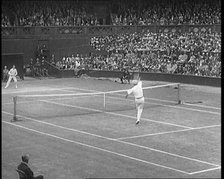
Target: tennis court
[(74, 130)]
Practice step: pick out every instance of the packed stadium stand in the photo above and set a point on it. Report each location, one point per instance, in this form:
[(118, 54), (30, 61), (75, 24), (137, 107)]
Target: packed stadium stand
[(151, 36)]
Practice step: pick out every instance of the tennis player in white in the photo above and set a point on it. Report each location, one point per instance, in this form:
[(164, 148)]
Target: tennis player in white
[(12, 75), (137, 91)]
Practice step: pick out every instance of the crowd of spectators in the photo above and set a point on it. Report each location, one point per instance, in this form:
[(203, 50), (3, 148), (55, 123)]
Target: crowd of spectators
[(189, 53), (70, 62), (46, 13), (196, 53), (169, 12), (37, 68), (124, 12), (207, 65), (192, 53)]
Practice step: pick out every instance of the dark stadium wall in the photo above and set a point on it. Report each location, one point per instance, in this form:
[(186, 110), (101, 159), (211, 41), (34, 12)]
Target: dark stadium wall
[(58, 47), (25, 46), (179, 78), (174, 78), (68, 47)]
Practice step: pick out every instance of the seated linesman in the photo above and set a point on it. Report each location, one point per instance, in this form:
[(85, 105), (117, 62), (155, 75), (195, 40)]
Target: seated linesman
[(125, 76), (23, 166)]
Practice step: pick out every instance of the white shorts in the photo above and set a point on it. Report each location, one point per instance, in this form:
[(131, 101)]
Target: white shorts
[(139, 101), (12, 77)]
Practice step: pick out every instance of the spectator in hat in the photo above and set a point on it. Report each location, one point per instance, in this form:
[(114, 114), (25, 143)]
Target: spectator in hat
[(23, 166)]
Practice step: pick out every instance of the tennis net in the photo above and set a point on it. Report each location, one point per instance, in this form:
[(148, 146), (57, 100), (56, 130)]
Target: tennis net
[(44, 106)]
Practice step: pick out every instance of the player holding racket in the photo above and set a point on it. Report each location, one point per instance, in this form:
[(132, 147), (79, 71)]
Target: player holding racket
[(137, 91), (12, 75)]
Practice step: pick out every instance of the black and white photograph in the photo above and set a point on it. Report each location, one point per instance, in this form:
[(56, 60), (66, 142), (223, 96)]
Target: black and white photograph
[(102, 89)]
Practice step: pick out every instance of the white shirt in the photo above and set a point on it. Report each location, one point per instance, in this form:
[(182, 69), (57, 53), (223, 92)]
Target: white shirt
[(136, 90), (77, 64), (13, 72)]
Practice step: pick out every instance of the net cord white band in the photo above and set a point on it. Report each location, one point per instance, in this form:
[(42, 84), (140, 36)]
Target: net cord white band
[(15, 98), (95, 93)]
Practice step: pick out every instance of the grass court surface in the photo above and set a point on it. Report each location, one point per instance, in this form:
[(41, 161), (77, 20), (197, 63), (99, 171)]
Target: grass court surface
[(72, 138)]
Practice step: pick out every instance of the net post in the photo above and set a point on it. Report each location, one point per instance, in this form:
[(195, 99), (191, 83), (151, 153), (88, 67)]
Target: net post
[(14, 108), (179, 94)]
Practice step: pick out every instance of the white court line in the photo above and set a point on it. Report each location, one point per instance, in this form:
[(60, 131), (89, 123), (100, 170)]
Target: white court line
[(199, 105), (116, 114), (58, 126), (202, 171), (185, 103), (69, 87), (145, 119), (198, 110), (97, 148), (119, 141), (59, 98), (202, 106), (168, 132), (28, 90), (178, 107), (186, 129)]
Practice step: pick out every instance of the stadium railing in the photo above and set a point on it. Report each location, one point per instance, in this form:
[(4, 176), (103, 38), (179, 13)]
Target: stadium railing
[(52, 70), (35, 31)]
